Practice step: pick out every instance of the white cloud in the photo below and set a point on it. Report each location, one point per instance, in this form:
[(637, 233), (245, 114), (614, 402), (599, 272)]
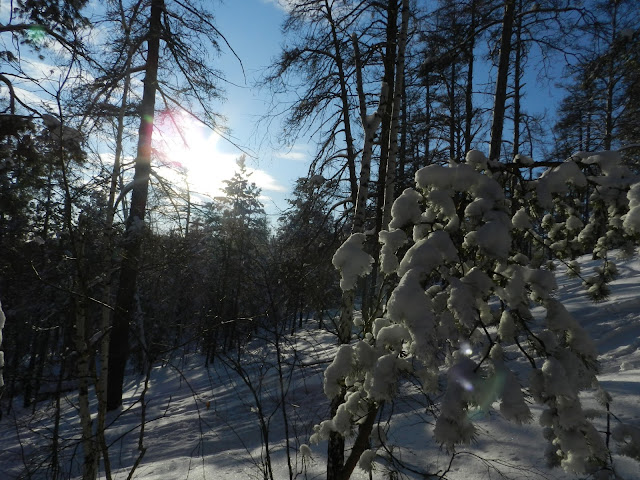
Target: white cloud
[(107, 158), (295, 154), (281, 4), (266, 181), (25, 96)]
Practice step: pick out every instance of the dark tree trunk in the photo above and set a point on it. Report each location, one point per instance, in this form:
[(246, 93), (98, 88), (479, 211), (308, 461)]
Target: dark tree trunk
[(608, 133), (335, 448), (468, 116), (500, 100), (517, 87), (344, 99), (119, 343), (387, 113), (452, 111)]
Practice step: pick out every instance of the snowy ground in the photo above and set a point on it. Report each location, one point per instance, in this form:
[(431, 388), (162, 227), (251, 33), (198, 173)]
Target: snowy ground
[(206, 423)]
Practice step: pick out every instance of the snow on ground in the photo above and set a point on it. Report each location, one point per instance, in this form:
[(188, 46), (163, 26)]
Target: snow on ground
[(210, 423)]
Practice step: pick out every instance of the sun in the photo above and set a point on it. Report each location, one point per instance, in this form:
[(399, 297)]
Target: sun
[(191, 154)]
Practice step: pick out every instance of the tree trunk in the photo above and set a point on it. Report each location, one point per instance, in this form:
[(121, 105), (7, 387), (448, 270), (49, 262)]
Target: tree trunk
[(360, 444), (370, 125), (452, 110), (500, 99), (390, 179), (83, 366), (468, 116), (344, 99), (335, 448), (119, 341), (517, 74), (389, 61), (608, 132)]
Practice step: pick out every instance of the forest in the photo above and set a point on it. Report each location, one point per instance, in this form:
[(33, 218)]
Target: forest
[(465, 153)]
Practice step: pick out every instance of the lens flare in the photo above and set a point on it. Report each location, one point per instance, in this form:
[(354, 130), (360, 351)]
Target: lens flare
[(36, 34), (465, 349)]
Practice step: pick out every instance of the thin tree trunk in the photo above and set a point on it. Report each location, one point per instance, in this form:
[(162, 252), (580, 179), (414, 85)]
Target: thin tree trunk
[(390, 180), (29, 374), (517, 74), (370, 123), (84, 358), (427, 129), (402, 154), (344, 99), (361, 443), (500, 99), (468, 116), (55, 440), (105, 324), (119, 342), (608, 133), (89, 444), (389, 61), (452, 111)]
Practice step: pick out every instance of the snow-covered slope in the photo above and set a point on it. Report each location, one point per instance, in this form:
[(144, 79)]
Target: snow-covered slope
[(215, 423)]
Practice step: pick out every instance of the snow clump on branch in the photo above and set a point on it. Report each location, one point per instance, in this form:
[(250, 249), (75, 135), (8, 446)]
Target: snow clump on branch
[(461, 299), (352, 261)]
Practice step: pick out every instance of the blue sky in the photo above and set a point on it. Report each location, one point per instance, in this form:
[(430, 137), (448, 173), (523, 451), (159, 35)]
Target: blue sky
[(253, 29)]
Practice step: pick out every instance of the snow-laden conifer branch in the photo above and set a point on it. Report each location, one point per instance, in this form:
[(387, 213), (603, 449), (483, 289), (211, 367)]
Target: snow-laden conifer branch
[(471, 263)]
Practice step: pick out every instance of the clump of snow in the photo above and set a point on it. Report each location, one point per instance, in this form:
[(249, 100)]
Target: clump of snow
[(541, 282), (493, 238), (453, 426), (391, 241), (459, 177), (521, 220), (478, 208), (462, 303), (393, 336), (556, 382), (561, 321), (406, 209), (335, 373), (476, 159), (366, 460), (513, 405), (523, 160), (366, 355), (442, 200), (478, 281), (352, 261), (507, 327), (628, 438), (380, 383), (514, 292), (427, 254), (574, 223), (315, 181), (557, 180), (632, 219), (305, 451), (410, 305)]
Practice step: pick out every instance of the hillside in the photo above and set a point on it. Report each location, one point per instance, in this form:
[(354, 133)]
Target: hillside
[(214, 423)]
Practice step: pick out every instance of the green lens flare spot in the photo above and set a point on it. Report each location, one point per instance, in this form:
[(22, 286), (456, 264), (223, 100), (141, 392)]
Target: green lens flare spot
[(36, 34)]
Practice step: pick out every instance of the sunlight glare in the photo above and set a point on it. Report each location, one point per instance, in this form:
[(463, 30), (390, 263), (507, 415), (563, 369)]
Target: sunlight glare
[(194, 151)]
